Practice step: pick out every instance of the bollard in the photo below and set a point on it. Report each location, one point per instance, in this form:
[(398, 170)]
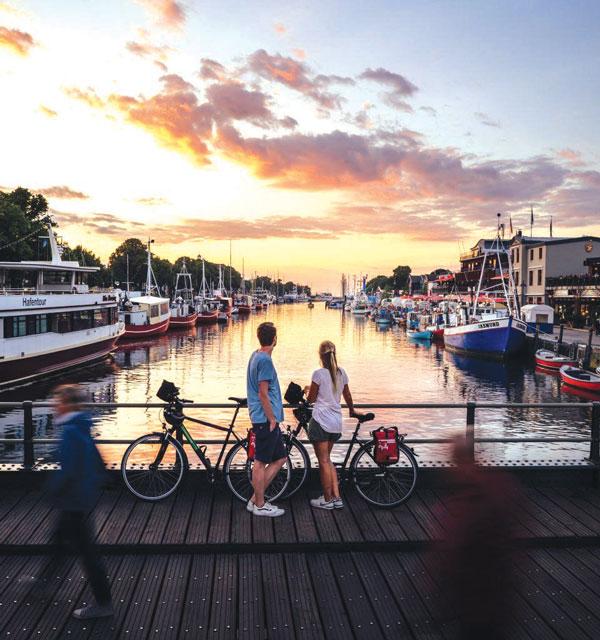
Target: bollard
[(28, 434), (470, 432), (595, 441), (588, 350), (561, 332)]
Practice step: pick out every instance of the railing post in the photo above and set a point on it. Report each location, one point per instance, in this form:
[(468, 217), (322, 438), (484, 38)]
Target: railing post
[(595, 441), (470, 432), (28, 434)]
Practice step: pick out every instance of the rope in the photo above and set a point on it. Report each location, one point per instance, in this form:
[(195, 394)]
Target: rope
[(10, 244)]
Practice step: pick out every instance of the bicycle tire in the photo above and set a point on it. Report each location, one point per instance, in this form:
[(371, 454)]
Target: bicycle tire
[(238, 474), (387, 485), (149, 484), (300, 467)]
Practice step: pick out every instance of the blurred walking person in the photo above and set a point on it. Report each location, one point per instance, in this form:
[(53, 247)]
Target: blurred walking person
[(76, 489)]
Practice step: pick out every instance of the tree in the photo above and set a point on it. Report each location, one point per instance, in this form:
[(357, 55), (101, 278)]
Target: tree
[(87, 258), (379, 282), (117, 263), (400, 277)]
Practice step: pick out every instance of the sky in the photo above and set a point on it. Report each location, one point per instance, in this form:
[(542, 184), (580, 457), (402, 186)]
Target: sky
[(320, 138)]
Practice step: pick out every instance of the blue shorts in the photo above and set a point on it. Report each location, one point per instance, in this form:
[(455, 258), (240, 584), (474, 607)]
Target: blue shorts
[(269, 444)]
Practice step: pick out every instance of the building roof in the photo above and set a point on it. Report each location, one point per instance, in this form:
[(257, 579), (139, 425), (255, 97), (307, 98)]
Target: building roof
[(549, 240)]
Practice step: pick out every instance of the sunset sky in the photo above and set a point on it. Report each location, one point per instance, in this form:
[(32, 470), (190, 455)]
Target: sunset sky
[(320, 137)]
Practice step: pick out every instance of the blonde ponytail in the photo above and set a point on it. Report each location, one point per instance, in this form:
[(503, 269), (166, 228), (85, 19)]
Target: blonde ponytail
[(329, 361)]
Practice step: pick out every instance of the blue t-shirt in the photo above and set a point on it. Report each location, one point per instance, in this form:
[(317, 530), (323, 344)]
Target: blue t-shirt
[(261, 368)]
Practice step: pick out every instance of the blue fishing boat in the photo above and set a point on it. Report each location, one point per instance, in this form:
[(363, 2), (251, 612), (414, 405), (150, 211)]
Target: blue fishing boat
[(419, 335), (490, 331)]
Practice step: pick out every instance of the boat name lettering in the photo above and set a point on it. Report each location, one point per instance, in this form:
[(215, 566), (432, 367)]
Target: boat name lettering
[(484, 325), (34, 302)]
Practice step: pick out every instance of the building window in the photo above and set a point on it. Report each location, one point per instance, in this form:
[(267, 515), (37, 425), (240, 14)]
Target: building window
[(531, 254), (539, 278), (539, 301), (518, 252), (530, 278), (517, 279), (530, 300), (540, 251)]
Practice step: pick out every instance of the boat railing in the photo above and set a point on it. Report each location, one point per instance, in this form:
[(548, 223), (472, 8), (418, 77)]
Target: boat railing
[(29, 440), (51, 290)]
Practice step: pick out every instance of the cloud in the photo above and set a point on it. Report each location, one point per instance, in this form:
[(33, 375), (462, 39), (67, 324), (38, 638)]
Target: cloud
[(232, 101), (429, 110), (280, 28), (299, 53), (47, 111), (296, 75), (152, 201), (157, 53), (63, 193), (166, 13), (174, 83), (401, 88), (18, 42), (573, 157), (212, 70), (88, 96), (486, 120)]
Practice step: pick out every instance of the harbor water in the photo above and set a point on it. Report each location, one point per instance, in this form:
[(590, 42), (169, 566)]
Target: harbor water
[(209, 364)]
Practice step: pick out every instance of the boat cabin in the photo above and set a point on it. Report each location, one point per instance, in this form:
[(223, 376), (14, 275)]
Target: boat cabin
[(538, 316), (145, 310)]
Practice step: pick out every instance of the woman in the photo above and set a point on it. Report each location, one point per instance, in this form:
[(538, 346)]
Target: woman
[(328, 384)]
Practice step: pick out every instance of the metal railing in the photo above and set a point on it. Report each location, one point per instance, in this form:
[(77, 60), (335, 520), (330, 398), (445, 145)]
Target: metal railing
[(29, 440)]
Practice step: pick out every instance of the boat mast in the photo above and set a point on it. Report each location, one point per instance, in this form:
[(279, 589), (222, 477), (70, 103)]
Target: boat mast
[(230, 287), (203, 281), (150, 278)]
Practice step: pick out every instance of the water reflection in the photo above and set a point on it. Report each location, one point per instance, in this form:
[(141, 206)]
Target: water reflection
[(209, 364)]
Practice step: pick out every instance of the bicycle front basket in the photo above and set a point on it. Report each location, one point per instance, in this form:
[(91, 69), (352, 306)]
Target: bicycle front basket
[(303, 414), (168, 391)]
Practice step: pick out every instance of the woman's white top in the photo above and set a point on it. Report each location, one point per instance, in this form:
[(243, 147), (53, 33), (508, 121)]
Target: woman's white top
[(327, 410)]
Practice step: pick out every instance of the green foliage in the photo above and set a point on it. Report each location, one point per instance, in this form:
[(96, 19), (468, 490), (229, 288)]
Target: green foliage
[(23, 217), (379, 282), (86, 258), (400, 277)]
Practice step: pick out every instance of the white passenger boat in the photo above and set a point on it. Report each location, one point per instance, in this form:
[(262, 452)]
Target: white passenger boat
[(50, 320)]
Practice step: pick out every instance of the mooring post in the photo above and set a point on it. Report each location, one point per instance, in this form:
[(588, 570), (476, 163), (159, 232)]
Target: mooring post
[(561, 332), (28, 434), (470, 432), (588, 350), (595, 441), (536, 338)]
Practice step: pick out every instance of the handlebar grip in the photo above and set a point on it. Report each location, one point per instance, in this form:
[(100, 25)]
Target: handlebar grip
[(186, 401)]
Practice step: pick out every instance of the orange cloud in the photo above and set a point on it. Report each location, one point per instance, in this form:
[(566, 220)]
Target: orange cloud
[(47, 111), (63, 192), (571, 156), (299, 53), (157, 53), (88, 96), (280, 28), (168, 13), (18, 42)]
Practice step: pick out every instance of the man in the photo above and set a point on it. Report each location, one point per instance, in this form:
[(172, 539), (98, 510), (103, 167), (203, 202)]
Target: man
[(266, 412), (76, 489)]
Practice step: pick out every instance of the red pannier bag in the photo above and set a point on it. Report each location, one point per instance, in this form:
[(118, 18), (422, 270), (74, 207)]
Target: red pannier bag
[(385, 440), (251, 444)]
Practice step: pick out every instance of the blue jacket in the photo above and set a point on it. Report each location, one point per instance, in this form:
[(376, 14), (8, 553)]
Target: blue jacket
[(76, 486)]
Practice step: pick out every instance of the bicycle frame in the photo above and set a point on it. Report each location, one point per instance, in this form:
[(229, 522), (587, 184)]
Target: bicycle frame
[(174, 416)]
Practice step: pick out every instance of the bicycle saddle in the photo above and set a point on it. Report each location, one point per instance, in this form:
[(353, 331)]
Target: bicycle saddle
[(243, 402), (364, 417)]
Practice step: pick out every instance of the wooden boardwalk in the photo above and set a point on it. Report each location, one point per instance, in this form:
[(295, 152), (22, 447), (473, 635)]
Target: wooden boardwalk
[(199, 566)]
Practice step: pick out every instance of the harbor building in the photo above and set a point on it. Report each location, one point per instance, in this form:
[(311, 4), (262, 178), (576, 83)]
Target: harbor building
[(471, 262), (540, 261)]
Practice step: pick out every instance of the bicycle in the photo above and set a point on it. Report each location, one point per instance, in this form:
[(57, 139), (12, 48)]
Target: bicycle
[(383, 485), (154, 465)]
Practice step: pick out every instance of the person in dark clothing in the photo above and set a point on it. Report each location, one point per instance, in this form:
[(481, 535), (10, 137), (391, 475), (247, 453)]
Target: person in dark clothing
[(75, 489)]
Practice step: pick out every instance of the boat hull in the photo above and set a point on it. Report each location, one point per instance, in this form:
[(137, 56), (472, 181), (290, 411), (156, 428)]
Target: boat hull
[(502, 337), (207, 318), (244, 309), (146, 330), (419, 335), (26, 369), (184, 322), (591, 384), (548, 360)]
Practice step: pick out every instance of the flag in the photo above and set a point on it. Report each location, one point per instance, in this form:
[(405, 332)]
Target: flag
[(550, 226), (531, 220), (511, 227)]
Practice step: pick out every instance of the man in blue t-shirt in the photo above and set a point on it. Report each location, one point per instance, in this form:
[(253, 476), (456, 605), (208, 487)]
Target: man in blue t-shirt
[(266, 412)]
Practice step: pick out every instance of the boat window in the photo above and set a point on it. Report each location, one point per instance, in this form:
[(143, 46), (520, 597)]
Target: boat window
[(81, 320), (101, 317), (61, 322), (153, 310), (56, 277), (164, 308), (15, 327)]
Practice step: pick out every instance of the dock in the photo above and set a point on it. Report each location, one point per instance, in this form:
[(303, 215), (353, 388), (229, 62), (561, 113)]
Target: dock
[(198, 565)]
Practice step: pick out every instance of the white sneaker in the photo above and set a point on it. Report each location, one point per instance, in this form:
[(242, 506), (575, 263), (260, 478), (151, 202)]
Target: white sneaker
[(321, 503), (250, 506), (269, 510), (338, 503)]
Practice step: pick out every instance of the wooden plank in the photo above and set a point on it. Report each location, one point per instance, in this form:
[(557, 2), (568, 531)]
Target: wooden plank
[(326, 525), (363, 620), (304, 604), (241, 523), (529, 619), (573, 525), (418, 618), (167, 614), (220, 519), (137, 620), (278, 613), (224, 603), (332, 611), (251, 619), (136, 522), (432, 528), (110, 531), (364, 517), (10, 499), (284, 528), (23, 511), (306, 530), (196, 609), (181, 514), (538, 518), (197, 532), (415, 520), (158, 522), (347, 525), (390, 618), (262, 527)]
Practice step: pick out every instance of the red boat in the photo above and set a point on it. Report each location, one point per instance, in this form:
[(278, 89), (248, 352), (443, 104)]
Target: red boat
[(551, 360), (207, 317), (183, 322), (146, 330), (244, 304), (145, 316), (580, 378)]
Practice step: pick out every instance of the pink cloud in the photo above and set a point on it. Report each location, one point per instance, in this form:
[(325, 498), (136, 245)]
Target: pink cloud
[(18, 42), (63, 193), (212, 70), (167, 13), (401, 88), (280, 28)]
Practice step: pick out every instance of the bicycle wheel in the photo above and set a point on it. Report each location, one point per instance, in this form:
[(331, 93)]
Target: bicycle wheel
[(384, 485), (153, 466), (238, 474), (300, 466)]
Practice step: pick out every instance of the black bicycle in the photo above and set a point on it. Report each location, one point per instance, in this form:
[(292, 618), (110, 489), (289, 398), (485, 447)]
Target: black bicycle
[(383, 484), (154, 465)]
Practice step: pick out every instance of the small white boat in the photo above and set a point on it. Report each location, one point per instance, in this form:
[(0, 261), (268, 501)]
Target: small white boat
[(551, 360)]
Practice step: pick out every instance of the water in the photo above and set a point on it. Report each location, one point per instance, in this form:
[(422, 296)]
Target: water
[(209, 364)]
